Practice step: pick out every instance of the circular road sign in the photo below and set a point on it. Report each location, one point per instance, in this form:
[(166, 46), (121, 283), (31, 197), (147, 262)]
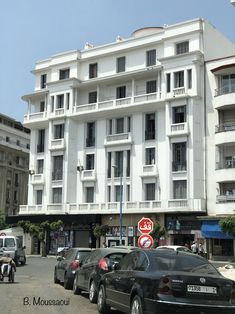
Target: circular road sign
[(145, 225), (145, 241)]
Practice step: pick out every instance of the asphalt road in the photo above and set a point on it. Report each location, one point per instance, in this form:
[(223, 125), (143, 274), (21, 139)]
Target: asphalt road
[(34, 285)]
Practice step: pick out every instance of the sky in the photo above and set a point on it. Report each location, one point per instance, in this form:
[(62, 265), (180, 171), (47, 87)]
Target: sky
[(33, 30)]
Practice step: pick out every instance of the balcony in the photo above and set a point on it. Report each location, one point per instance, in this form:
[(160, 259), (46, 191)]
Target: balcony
[(57, 175), (224, 96), (118, 139), (179, 166), (225, 133), (149, 171), (225, 198), (179, 91), (117, 103), (88, 175), (57, 144), (225, 171), (35, 117), (38, 178), (178, 129), (57, 113)]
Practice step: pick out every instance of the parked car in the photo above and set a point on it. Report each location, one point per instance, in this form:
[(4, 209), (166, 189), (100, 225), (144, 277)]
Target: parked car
[(67, 265), (165, 281), (175, 248), (99, 262), (128, 247), (12, 245)]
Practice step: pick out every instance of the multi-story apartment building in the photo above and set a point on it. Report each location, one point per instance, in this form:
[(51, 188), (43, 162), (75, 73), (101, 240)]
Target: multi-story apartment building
[(220, 102), (14, 160), (126, 119)]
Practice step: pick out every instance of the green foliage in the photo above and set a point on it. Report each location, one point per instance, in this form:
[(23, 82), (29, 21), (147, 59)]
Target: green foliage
[(99, 231), (157, 232), (3, 224), (227, 225)]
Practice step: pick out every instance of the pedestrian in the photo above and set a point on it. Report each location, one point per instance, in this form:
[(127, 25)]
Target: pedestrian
[(104, 244), (201, 250), (194, 247)]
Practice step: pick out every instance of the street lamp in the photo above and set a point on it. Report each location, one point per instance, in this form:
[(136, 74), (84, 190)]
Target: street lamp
[(120, 207)]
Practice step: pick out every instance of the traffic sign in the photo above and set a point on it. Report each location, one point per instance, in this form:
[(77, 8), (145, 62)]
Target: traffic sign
[(145, 241), (145, 225)]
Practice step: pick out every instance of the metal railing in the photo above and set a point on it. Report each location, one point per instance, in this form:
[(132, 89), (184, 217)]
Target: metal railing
[(225, 127), (227, 89), (179, 166), (225, 164)]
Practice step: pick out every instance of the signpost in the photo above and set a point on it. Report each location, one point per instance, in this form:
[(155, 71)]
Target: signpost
[(145, 226)]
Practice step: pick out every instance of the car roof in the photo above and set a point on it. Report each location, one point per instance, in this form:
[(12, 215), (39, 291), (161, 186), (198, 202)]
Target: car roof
[(81, 249), (174, 247), (112, 250)]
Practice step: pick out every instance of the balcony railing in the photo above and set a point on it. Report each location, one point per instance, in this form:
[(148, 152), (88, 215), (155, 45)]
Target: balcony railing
[(225, 198), (227, 89), (88, 175), (150, 135), (225, 127), (182, 166), (178, 91), (225, 164), (90, 142), (57, 144), (57, 175)]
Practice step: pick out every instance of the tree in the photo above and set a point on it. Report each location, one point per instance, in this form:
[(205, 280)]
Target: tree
[(227, 225), (39, 231), (157, 232), (99, 231)]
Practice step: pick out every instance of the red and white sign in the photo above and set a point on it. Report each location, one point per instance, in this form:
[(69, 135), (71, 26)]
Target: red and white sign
[(145, 225), (145, 241)]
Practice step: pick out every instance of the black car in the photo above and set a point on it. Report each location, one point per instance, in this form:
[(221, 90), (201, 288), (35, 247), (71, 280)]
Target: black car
[(165, 281), (66, 267), (99, 262)]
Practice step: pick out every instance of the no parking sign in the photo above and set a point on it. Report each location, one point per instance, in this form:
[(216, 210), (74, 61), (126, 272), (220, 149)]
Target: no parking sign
[(145, 241)]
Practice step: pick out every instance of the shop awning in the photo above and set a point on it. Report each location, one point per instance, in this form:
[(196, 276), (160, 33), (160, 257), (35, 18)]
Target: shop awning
[(211, 229)]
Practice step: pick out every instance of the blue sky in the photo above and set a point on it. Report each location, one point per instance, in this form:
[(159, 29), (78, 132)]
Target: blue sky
[(33, 30)]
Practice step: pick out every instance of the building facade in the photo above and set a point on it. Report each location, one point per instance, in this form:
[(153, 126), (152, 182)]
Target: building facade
[(123, 125), (14, 161)]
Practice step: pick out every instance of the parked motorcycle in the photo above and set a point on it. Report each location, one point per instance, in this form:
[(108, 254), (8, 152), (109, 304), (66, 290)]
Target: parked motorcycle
[(7, 271)]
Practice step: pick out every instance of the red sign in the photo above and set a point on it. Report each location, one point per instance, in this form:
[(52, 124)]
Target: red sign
[(145, 225), (145, 241)]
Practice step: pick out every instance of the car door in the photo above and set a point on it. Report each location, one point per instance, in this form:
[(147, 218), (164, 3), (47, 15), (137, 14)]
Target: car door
[(119, 283), (63, 264)]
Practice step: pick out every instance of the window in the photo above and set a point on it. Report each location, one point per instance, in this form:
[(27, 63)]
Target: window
[(226, 84), (109, 164), (150, 191), (128, 192), (121, 92), (110, 127), (18, 142), (180, 189), (150, 156), (41, 140), (189, 72), (15, 196), (182, 47), (7, 139), (90, 161), (118, 192), (151, 87), (57, 195), (40, 166), (59, 131), (68, 100), (150, 126), (57, 173), (119, 164), (120, 125), (151, 57), (179, 79), (42, 106), (60, 101), (52, 103), (109, 193), (128, 163), (90, 140), (92, 97), (43, 81), (64, 74), (90, 194), (16, 179), (179, 156), (128, 124), (179, 114), (39, 197), (168, 82), (121, 64), (93, 69)]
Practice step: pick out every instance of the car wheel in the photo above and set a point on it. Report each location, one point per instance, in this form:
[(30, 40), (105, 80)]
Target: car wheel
[(76, 290), (92, 292), (102, 307), (56, 280), (136, 306), (67, 284)]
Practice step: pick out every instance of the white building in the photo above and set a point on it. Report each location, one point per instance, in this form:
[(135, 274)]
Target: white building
[(132, 114)]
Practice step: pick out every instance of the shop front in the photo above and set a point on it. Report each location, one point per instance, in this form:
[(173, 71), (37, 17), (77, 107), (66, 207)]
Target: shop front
[(221, 246)]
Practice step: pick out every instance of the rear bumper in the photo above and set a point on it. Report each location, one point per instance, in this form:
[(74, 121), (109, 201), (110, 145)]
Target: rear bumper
[(163, 307)]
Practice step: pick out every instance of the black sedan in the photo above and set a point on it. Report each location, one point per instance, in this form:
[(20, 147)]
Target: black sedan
[(99, 262), (66, 267), (166, 281)]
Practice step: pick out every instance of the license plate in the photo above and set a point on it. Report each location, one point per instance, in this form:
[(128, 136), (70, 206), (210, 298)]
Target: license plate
[(201, 289)]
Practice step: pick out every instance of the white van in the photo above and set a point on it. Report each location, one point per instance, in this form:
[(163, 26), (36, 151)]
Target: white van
[(12, 245)]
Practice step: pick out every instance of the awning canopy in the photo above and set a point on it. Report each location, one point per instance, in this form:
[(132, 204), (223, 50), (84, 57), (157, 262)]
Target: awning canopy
[(211, 229)]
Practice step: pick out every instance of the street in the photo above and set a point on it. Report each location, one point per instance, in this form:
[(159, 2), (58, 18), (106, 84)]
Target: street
[(34, 286)]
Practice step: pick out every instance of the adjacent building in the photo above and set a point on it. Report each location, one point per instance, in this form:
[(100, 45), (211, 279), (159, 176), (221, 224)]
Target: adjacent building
[(125, 124), (14, 160)]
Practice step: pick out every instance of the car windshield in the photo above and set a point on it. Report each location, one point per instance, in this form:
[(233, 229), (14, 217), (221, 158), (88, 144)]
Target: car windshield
[(186, 263), (9, 242)]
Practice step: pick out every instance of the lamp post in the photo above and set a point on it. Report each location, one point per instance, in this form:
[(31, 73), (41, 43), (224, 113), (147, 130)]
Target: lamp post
[(120, 208)]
